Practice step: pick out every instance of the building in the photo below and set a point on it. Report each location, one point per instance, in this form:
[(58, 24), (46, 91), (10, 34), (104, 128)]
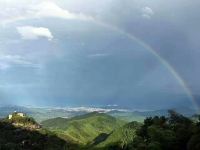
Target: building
[(21, 114), (16, 114), (9, 116)]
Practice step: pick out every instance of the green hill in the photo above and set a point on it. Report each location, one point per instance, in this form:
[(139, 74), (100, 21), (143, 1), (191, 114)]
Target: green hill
[(14, 137), (120, 137), (85, 128), (22, 121), (101, 132)]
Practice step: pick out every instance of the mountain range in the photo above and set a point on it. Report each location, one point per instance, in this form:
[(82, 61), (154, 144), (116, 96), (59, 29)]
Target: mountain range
[(44, 113), (99, 131)]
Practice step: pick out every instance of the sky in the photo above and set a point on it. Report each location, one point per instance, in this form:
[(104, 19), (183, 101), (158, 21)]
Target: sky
[(141, 54)]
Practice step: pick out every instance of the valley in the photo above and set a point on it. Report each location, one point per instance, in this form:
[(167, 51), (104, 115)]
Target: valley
[(98, 131)]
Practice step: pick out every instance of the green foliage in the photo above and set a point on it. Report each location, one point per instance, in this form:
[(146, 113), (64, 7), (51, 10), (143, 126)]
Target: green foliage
[(15, 138), (23, 120), (102, 132), (176, 132), (154, 146), (121, 136), (20, 119), (84, 129)]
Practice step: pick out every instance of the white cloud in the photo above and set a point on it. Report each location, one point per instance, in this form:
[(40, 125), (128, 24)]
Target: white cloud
[(147, 12), (112, 105), (4, 66), (91, 109), (33, 33), (50, 9), (98, 55), (11, 12), (7, 61)]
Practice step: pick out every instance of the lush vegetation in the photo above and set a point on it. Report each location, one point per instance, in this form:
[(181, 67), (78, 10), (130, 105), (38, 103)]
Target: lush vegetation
[(23, 121), (175, 132), (16, 138), (120, 137), (102, 132), (85, 128)]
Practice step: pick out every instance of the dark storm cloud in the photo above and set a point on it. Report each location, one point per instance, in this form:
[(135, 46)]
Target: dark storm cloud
[(172, 30), (87, 63)]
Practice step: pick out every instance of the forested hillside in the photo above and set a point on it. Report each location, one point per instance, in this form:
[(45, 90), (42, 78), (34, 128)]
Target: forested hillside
[(101, 132), (85, 128)]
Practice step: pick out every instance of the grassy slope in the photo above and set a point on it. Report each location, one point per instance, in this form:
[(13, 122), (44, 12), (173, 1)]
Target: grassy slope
[(128, 116), (121, 136), (85, 128)]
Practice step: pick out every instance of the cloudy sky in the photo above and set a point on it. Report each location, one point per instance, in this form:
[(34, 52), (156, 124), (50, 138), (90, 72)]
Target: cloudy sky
[(142, 54)]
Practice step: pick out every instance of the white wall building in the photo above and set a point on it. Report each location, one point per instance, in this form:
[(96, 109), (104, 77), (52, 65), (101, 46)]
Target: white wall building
[(18, 114)]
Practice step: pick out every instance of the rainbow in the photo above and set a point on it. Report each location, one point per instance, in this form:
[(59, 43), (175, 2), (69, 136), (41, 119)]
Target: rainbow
[(155, 54)]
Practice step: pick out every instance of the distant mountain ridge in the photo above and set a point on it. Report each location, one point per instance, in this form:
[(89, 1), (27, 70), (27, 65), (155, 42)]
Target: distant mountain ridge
[(41, 114)]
